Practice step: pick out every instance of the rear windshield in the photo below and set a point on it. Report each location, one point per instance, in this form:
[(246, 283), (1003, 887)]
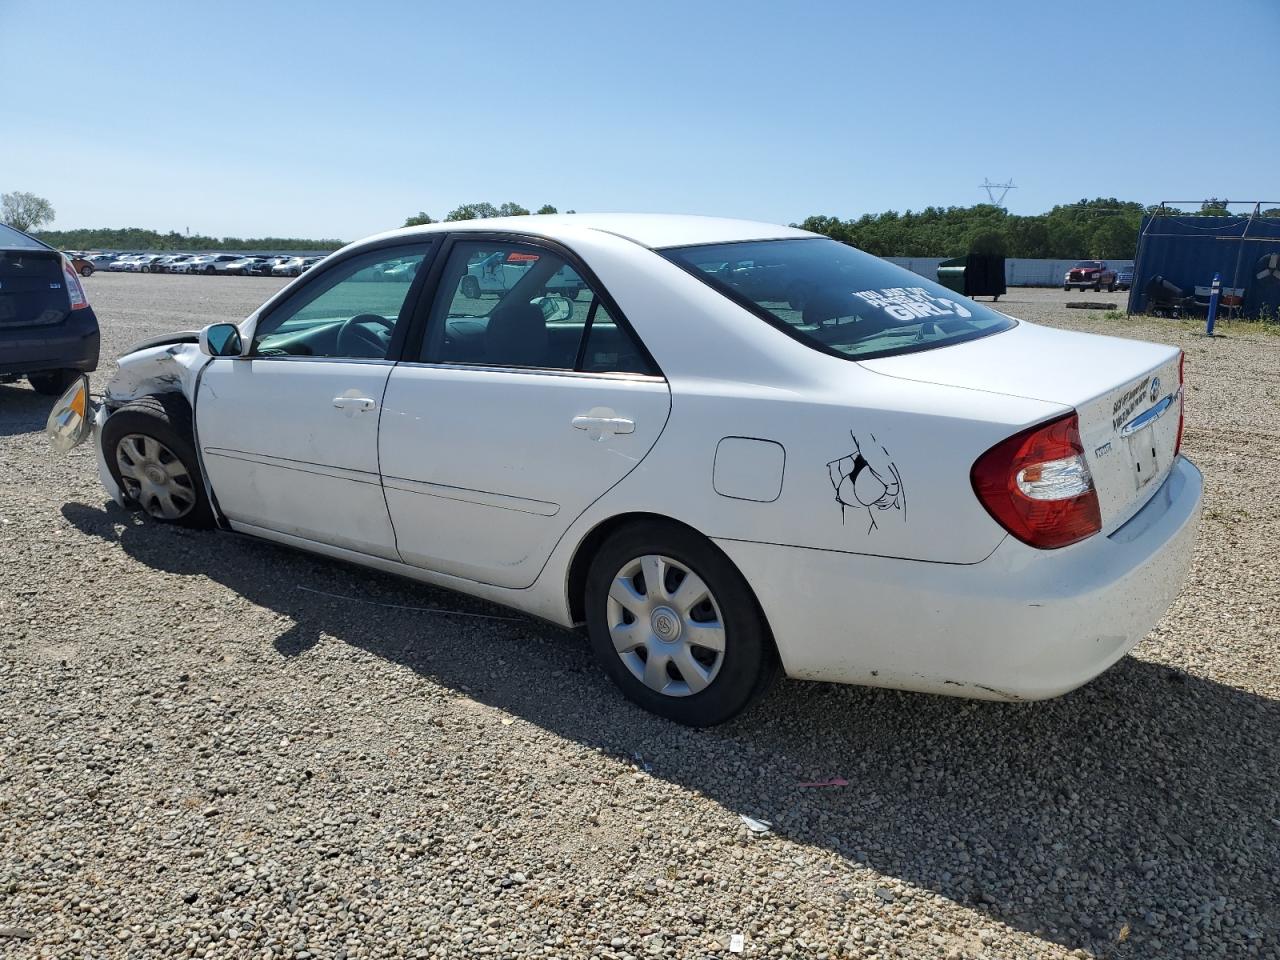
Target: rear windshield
[(838, 299), (17, 240)]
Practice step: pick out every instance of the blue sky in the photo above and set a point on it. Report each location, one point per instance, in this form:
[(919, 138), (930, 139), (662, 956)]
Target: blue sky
[(338, 119)]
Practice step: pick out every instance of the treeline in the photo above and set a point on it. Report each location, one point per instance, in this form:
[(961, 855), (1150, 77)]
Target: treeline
[(135, 238), (1104, 228), (479, 211)]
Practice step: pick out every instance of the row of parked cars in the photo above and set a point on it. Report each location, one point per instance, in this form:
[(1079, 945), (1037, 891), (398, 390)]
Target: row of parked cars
[(233, 264)]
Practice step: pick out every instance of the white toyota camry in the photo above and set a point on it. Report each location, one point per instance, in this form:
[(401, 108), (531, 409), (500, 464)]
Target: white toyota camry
[(738, 448)]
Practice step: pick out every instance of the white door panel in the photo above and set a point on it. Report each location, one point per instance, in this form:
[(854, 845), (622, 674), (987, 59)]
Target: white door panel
[(484, 470), (292, 445)]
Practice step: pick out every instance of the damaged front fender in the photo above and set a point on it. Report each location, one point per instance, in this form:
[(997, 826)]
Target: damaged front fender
[(166, 368)]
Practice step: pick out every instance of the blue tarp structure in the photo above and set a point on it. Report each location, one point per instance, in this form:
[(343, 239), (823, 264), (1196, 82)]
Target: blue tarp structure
[(1188, 251)]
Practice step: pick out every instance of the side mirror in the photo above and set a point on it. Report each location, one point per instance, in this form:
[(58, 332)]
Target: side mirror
[(70, 423), (221, 340), (554, 308)]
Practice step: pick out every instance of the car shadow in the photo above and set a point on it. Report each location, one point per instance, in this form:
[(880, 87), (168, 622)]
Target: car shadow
[(1106, 820), (22, 410)]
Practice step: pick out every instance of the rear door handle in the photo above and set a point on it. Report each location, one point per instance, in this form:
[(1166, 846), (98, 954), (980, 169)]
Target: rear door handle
[(602, 427), (354, 404)]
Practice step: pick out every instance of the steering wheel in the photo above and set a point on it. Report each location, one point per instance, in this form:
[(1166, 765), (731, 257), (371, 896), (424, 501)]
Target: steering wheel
[(357, 340)]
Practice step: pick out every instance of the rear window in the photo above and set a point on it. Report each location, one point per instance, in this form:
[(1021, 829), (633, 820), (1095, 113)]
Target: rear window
[(17, 240), (837, 299)]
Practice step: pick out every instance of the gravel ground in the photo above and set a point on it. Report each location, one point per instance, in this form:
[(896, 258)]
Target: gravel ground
[(199, 756)]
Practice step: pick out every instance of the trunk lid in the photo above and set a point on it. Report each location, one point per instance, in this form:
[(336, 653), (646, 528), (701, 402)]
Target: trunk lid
[(33, 291), (1125, 392)]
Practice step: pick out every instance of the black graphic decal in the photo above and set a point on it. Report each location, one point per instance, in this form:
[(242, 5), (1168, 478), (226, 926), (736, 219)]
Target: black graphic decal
[(868, 479)]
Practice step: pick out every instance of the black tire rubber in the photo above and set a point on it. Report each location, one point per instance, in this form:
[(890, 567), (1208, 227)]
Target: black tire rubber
[(751, 661), (471, 288), (51, 383), (1111, 288), (1097, 288), (86, 270), (209, 270), (167, 418), (145, 269), (1066, 289)]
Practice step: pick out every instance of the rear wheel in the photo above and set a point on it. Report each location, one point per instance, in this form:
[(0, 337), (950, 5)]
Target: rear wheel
[(150, 450), (51, 383), (676, 626), (86, 270), (209, 270), (1066, 288), (471, 288)]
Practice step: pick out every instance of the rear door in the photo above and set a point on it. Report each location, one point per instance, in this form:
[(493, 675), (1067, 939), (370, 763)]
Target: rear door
[(289, 435), (513, 416)]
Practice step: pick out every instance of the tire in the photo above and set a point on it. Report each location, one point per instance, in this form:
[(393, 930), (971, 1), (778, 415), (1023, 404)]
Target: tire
[(471, 288), (1097, 288), (734, 677), (155, 432), (1111, 288), (86, 270), (1066, 288), (209, 270), (51, 383), (144, 269)]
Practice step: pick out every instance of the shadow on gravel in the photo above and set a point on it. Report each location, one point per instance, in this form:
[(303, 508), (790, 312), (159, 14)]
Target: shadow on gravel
[(22, 410), (1144, 799)]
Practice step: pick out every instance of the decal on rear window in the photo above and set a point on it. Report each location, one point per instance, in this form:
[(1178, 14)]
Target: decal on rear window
[(912, 303)]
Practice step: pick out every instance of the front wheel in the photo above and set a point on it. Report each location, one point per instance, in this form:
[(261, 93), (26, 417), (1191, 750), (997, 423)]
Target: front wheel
[(86, 270), (676, 626), (471, 288), (150, 450), (1066, 288)]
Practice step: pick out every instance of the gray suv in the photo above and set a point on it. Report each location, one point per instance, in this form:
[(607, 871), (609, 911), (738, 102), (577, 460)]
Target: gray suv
[(48, 331)]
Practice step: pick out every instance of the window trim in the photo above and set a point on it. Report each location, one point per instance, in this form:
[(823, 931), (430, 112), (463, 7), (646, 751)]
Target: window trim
[(417, 335), (409, 310), (777, 323)]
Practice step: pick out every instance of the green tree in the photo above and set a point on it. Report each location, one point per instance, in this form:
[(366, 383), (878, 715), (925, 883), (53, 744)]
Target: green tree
[(547, 208), (471, 211), (419, 219), (512, 210), (25, 211)]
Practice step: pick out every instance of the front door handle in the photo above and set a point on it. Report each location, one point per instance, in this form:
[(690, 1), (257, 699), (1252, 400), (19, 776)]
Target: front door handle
[(600, 425), (354, 404)]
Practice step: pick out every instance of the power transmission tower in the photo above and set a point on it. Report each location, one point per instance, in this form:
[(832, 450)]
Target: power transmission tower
[(991, 189)]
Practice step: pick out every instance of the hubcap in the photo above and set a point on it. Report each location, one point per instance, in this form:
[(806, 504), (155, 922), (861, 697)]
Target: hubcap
[(666, 626), (154, 477)]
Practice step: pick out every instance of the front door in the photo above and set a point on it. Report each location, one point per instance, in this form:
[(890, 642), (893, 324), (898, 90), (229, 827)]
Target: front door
[(514, 417), (289, 435)]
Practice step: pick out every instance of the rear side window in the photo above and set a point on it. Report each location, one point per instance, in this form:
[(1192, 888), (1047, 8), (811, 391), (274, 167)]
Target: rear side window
[(513, 304), (837, 299)]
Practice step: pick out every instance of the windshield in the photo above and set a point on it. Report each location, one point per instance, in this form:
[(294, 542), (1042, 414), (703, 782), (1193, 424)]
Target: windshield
[(838, 299)]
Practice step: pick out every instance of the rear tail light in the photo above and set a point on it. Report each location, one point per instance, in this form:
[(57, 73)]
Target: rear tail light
[(1037, 485), (74, 288), (1182, 401)]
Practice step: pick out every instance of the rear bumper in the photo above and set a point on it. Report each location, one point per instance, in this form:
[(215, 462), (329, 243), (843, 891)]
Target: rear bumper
[(1024, 624), (70, 345)]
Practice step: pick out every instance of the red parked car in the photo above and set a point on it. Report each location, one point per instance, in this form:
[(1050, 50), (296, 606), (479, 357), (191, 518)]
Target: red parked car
[(1090, 273)]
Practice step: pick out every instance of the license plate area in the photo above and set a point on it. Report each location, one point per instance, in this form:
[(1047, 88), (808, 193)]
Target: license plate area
[(1143, 456)]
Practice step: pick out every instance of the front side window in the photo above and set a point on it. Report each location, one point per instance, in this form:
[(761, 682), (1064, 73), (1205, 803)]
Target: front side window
[(350, 311), (837, 299), (511, 304)]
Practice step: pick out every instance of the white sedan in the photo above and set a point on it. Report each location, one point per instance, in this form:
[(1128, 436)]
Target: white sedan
[(888, 484)]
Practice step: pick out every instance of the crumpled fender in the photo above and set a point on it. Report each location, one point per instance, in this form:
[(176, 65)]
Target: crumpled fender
[(169, 368)]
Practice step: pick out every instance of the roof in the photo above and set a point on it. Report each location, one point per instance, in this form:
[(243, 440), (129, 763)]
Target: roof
[(654, 230), (12, 239)]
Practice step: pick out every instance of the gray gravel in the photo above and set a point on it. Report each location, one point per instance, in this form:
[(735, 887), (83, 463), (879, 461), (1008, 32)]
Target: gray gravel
[(200, 758)]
